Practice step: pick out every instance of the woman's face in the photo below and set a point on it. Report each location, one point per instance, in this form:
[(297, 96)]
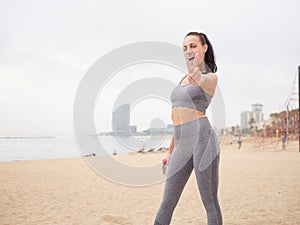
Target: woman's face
[(191, 46)]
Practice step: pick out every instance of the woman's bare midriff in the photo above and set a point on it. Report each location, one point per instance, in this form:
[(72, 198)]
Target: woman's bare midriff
[(182, 115)]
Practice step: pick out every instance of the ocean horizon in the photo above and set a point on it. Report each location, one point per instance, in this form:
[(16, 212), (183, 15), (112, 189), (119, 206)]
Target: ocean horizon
[(18, 148)]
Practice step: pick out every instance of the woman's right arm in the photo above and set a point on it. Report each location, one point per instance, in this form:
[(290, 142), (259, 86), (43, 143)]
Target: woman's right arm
[(170, 149), (171, 145)]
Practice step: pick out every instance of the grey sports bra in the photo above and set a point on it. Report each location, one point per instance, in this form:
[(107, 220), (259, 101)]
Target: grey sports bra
[(190, 96)]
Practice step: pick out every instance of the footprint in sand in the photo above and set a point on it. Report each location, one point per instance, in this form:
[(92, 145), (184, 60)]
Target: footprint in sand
[(116, 220)]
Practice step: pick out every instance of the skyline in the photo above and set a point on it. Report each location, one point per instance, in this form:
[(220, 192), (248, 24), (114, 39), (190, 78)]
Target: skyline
[(46, 48)]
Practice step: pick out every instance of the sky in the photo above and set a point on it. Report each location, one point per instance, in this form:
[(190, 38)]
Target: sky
[(46, 47)]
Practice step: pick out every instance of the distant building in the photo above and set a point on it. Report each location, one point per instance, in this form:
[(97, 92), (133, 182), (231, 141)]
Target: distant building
[(161, 130), (121, 124), (278, 124), (245, 119), (132, 129), (253, 118), (258, 116), (121, 119)]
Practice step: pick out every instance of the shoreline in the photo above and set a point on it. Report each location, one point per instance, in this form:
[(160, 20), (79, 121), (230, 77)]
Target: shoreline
[(250, 144)]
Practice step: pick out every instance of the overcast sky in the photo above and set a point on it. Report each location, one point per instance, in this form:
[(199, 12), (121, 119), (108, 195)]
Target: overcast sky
[(47, 46)]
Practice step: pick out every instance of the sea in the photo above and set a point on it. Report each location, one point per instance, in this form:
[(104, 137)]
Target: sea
[(53, 147)]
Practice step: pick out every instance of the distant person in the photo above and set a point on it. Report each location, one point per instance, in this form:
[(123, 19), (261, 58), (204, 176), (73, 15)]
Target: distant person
[(114, 152), (240, 141), (194, 144), (230, 142), (284, 140)]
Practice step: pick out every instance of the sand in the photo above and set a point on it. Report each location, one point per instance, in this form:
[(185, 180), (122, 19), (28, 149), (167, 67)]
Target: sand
[(258, 185)]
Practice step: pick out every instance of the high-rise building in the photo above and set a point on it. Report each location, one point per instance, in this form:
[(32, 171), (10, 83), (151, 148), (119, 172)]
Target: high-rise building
[(257, 114), (254, 117), (245, 119), (121, 119)]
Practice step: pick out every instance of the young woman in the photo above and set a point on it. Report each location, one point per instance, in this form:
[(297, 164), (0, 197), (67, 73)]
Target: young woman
[(194, 143)]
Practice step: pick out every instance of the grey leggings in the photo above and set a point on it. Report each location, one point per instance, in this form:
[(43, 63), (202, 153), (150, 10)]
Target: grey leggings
[(195, 147)]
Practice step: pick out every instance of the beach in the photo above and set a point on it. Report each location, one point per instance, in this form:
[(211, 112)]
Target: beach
[(259, 184)]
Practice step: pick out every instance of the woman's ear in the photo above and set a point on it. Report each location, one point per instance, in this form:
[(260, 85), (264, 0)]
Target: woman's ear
[(205, 48)]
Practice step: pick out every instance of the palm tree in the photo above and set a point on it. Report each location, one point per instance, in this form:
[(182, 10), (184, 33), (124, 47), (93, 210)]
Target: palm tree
[(237, 128), (252, 122), (232, 129)]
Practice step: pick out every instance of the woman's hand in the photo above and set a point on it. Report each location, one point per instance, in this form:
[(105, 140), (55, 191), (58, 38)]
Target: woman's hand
[(167, 157), (194, 63), (195, 76), (194, 73)]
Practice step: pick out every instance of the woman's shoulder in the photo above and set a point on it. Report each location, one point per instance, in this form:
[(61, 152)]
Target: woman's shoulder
[(212, 74), (212, 77)]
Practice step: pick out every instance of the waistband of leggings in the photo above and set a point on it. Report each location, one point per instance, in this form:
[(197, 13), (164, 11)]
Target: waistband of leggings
[(194, 123)]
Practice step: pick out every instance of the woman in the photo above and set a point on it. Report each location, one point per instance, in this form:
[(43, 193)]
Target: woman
[(194, 144)]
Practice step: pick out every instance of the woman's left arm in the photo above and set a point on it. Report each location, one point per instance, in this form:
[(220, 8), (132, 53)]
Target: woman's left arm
[(211, 79), (209, 83)]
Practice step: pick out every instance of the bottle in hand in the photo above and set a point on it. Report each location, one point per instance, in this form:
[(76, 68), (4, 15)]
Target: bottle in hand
[(164, 166)]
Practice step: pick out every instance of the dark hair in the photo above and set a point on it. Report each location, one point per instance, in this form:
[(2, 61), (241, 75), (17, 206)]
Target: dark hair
[(209, 54)]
